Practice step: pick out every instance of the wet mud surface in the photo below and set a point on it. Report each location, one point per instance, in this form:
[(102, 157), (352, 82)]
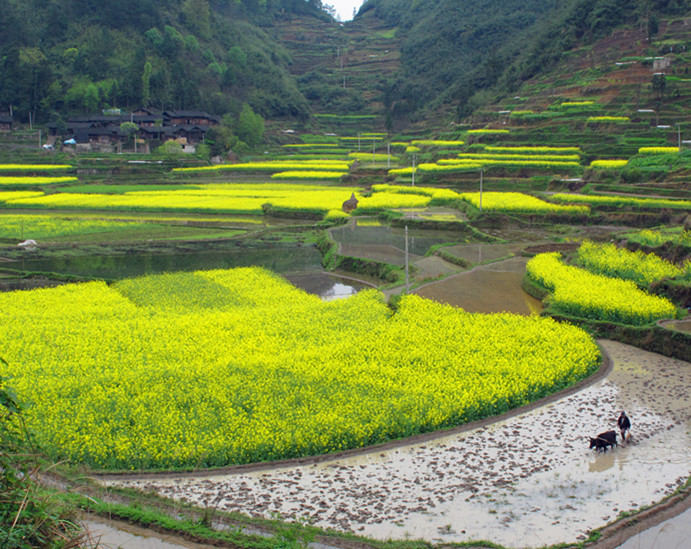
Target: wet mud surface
[(673, 533), (492, 288), (525, 481), (108, 534), (680, 325)]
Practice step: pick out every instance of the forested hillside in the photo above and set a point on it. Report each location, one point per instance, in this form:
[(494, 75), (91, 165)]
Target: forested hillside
[(401, 60), (77, 56), (451, 49)]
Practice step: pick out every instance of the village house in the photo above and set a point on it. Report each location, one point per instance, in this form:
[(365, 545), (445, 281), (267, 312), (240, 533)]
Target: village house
[(190, 118), (5, 123), (188, 127)]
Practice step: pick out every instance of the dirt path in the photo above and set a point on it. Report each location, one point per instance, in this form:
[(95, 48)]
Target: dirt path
[(523, 481)]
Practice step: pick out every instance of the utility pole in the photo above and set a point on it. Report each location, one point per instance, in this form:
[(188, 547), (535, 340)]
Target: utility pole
[(388, 155), (413, 180), (407, 285), (481, 171), (374, 156), (340, 57)]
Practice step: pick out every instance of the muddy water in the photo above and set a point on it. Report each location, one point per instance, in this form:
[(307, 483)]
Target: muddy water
[(327, 286), (383, 243), (681, 325), (105, 535), (674, 533), (481, 253), (491, 288), (526, 481), (279, 260)]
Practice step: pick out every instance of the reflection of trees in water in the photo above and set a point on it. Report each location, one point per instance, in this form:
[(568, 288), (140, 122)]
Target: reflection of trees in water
[(136, 264), (314, 284), (324, 285), (483, 291), (419, 242)]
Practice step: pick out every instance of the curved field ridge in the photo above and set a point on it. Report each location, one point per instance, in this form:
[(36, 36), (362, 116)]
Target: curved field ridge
[(221, 367)]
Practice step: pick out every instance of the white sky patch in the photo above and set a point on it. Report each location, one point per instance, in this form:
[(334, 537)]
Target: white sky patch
[(344, 8)]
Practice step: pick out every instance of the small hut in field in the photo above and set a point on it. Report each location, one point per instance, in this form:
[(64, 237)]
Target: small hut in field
[(350, 204)]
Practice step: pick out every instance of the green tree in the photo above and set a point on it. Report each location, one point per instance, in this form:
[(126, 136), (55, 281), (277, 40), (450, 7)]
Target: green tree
[(171, 149), (659, 84), (130, 129), (250, 126), (220, 139), (653, 27), (34, 76), (238, 57), (146, 84), (91, 97), (197, 15)]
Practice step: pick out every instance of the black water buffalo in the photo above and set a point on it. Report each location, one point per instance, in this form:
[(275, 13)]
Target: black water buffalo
[(603, 440)]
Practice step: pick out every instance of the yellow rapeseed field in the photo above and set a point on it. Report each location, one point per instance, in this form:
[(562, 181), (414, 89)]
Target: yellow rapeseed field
[(218, 367), (4, 180), (238, 198), (519, 202), (611, 260), (581, 293), (34, 167), (49, 226)]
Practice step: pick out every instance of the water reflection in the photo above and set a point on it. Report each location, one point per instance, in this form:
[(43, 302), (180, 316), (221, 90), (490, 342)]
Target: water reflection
[(495, 288), (602, 462), (279, 260), (327, 287), (106, 536), (419, 241), (480, 253)]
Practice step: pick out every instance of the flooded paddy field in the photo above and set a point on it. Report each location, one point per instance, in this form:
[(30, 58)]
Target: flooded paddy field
[(681, 325), (492, 288), (673, 533), (387, 244), (139, 264), (524, 481), (106, 534), (327, 286)]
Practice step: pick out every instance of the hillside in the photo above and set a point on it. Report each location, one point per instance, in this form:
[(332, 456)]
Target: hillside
[(609, 98), (342, 69), (453, 54), (405, 62), (75, 56)]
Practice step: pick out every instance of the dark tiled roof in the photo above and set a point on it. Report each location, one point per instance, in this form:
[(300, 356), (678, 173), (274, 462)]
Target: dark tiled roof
[(187, 114)]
